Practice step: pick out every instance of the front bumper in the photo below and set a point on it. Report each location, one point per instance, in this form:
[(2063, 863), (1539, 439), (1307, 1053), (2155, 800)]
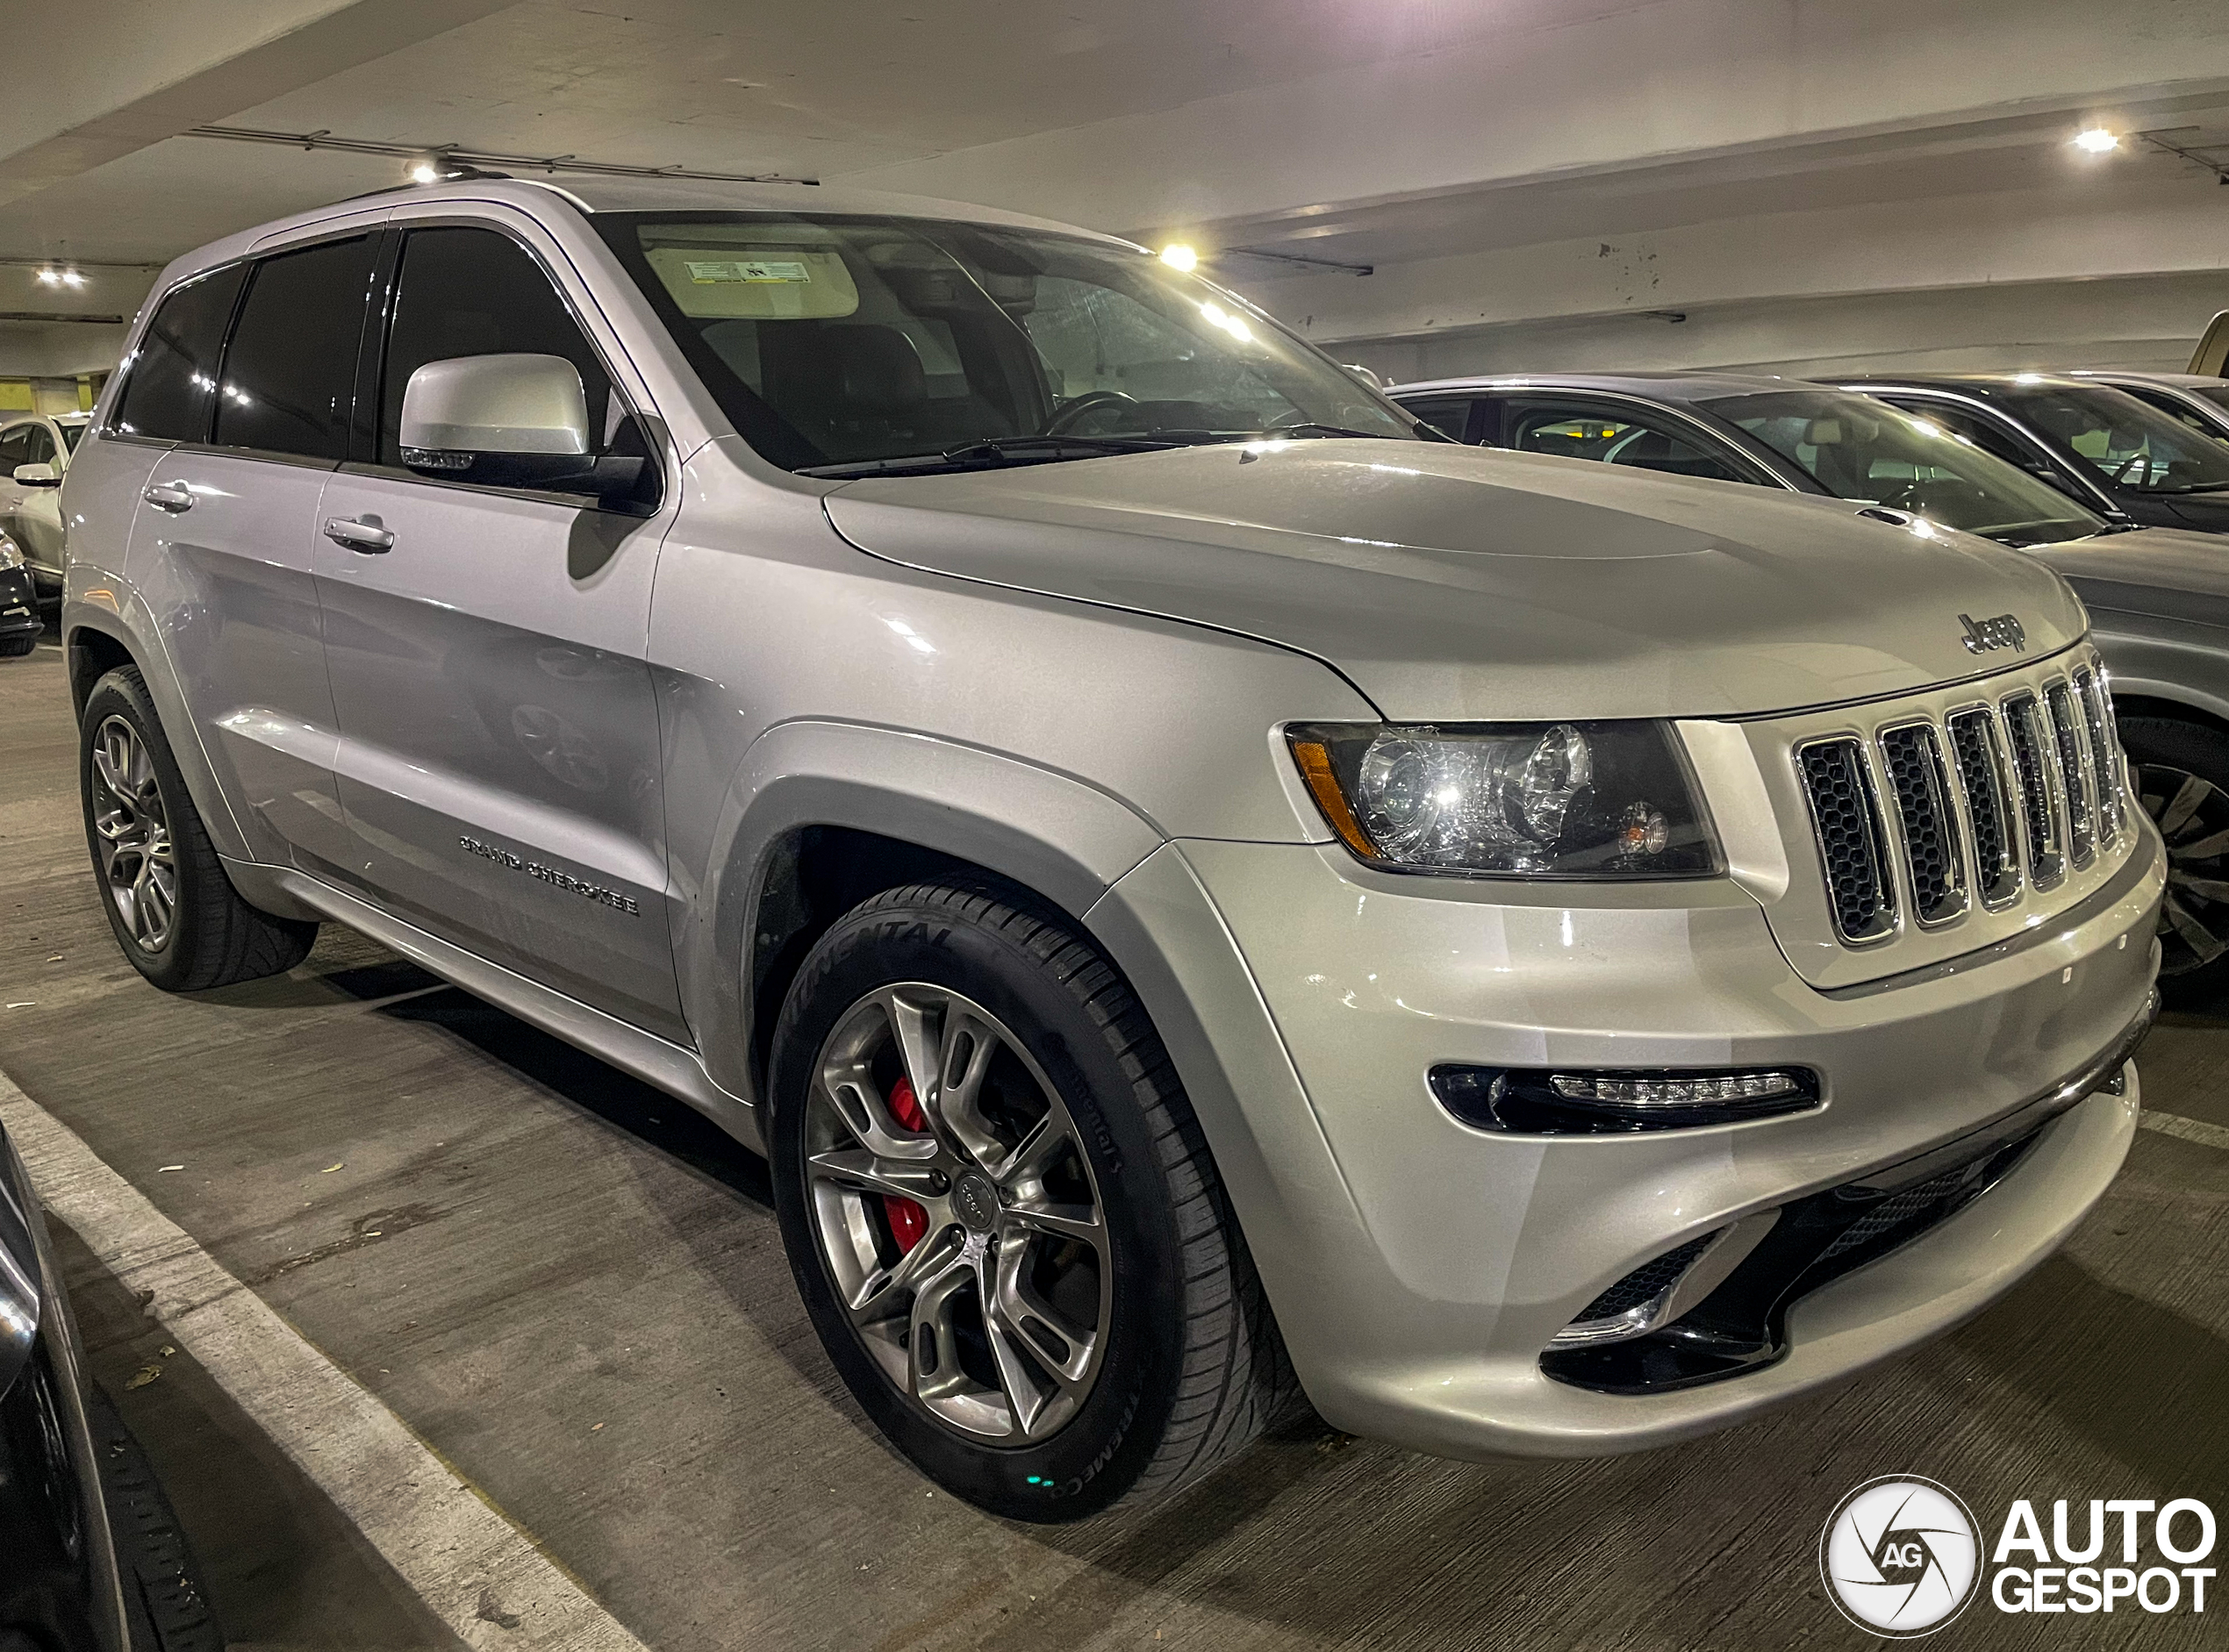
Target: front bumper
[(1419, 1267)]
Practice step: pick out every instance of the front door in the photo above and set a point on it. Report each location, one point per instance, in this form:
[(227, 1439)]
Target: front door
[(499, 757)]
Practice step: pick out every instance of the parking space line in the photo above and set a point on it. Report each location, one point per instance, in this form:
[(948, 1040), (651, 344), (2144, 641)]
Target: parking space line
[(478, 1571), (2174, 1124)]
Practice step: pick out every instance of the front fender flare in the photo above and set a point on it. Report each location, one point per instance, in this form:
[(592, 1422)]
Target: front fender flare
[(1052, 833)]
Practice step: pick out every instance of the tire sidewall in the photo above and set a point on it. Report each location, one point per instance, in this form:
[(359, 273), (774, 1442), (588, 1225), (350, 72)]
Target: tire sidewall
[(1099, 1454), (117, 694)]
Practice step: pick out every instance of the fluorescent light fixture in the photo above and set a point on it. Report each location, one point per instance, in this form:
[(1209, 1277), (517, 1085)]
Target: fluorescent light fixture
[(424, 172), (2096, 140), (1177, 256)]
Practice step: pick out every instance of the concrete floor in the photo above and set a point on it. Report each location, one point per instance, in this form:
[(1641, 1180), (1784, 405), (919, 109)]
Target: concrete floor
[(521, 1245)]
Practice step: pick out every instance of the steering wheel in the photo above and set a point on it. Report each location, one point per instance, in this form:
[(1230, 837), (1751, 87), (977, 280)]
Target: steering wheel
[(1062, 422), (2120, 472)]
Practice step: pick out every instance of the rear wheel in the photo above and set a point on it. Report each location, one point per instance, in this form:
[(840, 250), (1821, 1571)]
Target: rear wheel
[(1001, 1214), (174, 912), (2181, 775)]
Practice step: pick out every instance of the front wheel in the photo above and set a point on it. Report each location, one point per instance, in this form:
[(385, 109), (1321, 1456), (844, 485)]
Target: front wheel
[(2181, 775), (1002, 1217), (175, 914)]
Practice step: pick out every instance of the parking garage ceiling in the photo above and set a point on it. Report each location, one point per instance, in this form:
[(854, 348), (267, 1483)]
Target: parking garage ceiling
[(1493, 161)]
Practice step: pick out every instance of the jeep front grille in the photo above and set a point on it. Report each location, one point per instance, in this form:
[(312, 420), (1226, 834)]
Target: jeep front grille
[(1989, 797), (1848, 822)]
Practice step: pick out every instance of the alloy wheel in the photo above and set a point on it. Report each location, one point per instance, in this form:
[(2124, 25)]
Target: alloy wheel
[(2192, 814), (137, 860), (958, 1215)]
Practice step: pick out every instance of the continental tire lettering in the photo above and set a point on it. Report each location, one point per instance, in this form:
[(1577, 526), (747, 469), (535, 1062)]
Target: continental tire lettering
[(602, 894)]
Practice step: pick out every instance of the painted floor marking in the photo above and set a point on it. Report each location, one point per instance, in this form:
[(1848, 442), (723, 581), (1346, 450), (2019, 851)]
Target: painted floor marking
[(2174, 1124), (475, 1569)]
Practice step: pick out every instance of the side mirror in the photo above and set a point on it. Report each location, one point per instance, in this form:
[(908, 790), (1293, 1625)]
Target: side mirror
[(513, 420), (39, 476)]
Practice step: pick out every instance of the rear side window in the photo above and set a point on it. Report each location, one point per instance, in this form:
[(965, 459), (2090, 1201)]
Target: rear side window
[(476, 292), (172, 377), (1612, 435), (290, 372), (1450, 415)]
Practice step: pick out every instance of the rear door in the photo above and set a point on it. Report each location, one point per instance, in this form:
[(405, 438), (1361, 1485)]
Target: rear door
[(221, 548), (499, 757)]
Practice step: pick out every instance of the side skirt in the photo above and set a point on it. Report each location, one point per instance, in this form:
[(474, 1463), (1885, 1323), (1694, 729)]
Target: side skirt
[(672, 1068)]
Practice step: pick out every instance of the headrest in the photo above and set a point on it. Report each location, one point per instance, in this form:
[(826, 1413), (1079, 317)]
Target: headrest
[(877, 367)]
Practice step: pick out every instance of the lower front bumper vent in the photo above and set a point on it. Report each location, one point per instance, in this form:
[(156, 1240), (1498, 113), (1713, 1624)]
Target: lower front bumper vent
[(1741, 1324)]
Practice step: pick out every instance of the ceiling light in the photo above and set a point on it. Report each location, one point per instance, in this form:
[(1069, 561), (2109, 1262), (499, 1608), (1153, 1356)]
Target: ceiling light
[(53, 277), (424, 172), (2096, 140), (1177, 256)]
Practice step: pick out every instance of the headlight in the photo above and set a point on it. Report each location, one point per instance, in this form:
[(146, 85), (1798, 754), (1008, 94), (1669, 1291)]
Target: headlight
[(1578, 800), (10, 554)]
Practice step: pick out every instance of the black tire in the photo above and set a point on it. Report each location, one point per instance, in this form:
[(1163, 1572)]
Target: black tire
[(16, 648), (165, 1599), (1193, 1365), (213, 938), (2165, 755)]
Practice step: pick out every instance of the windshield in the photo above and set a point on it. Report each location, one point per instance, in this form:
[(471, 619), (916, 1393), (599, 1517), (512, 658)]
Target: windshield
[(2136, 446), (1858, 448), (842, 345)]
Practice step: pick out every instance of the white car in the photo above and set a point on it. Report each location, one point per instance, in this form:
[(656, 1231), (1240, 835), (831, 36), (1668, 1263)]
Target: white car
[(34, 457)]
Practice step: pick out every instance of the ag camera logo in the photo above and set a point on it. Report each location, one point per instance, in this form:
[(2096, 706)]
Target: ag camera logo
[(1901, 1556)]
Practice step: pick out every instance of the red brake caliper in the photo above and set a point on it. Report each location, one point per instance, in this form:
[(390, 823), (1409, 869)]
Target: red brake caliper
[(909, 1221)]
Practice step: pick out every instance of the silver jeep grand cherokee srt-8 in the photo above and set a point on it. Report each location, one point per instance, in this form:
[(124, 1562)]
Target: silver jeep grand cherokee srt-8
[(1197, 886)]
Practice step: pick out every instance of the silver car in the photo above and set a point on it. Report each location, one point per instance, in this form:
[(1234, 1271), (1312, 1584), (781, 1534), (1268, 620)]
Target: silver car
[(1201, 888), (35, 452), (2194, 398)]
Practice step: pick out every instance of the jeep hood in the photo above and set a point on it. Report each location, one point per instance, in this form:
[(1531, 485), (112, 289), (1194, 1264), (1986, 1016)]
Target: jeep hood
[(1451, 582)]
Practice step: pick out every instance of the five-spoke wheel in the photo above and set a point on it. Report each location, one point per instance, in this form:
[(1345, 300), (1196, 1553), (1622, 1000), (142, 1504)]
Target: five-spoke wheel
[(133, 834), (957, 1213)]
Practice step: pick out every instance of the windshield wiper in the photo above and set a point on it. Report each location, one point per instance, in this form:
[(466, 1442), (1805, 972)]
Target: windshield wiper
[(991, 451)]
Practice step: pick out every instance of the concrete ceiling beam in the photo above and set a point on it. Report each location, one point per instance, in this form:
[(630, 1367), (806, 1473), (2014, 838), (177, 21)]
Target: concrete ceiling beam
[(118, 75)]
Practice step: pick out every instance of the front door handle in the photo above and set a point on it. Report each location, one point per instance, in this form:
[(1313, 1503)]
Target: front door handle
[(363, 533), (168, 496)]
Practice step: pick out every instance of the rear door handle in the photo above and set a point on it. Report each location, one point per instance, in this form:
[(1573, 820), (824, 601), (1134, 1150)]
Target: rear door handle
[(168, 496), (359, 533)]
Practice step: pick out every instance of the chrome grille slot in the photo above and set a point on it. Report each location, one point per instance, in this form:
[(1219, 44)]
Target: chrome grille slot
[(1946, 821), (1847, 820), (2074, 773), (2104, 751), (2031, 766), (1980, 756), (1934, 861)]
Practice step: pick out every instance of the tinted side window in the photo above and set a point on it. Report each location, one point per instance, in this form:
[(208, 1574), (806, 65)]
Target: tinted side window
[(15, 447), (290, 372), (1982, 432), (38, 446), (1450, 415), (474, 292), (1612, 435), (173, 374)]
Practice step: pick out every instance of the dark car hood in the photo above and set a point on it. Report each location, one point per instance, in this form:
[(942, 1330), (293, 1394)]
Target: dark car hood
[(1454, 583), (2168, 573)]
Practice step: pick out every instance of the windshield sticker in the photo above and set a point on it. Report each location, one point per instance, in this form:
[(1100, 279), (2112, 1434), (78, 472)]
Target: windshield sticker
[(704, 272)]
